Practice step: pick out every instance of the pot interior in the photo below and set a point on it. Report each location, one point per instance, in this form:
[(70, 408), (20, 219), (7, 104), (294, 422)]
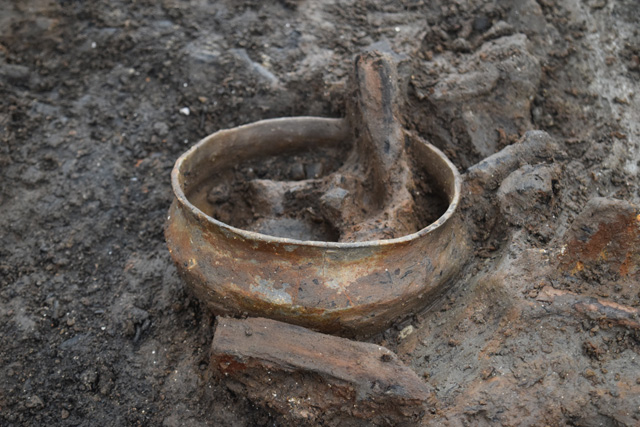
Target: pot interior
[(288, 178)]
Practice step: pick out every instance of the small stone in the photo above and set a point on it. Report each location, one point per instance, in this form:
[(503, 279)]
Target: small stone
[(313, 170), (185, 111), (15, 73), (461, 45), (481, 23), (499, 29), (332, 204), (161, 128), (65, 414), (404, 333), (32, 175), (34, 402), (89, 378), (334, 198), (297, 172), (105, 383), (526, 195)]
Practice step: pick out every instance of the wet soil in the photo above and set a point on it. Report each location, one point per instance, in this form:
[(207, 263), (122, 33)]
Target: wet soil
[(98, 99)]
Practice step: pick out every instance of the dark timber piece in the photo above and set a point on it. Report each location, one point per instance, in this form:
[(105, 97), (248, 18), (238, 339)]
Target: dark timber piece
[(310, 376)]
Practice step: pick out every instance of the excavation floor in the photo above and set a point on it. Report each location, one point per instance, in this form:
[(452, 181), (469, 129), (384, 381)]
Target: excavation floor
[(98, 99)]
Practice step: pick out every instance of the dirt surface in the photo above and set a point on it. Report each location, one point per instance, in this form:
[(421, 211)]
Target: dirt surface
[(99, 98)]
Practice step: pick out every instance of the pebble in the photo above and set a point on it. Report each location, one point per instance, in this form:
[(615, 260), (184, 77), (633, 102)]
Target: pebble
[(481, 23), (297, 172), (65, 414), (313, 170), (32, 175), (404, 333), (185, 111), (161, 128), (461, 45), (499, 29), (15, 73), (334, 198), (34, 402)]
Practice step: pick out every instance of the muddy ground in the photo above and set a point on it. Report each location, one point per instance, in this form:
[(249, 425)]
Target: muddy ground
[(98, 99)]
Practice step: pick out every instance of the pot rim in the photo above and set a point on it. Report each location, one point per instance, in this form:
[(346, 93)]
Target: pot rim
[(265, 238)]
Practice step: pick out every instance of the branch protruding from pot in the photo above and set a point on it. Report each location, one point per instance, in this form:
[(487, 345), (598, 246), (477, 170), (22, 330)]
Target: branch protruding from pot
[(380, 151)]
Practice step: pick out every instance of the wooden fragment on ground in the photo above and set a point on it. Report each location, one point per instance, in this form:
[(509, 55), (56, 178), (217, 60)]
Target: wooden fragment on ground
[(593, 308), (309, 376)]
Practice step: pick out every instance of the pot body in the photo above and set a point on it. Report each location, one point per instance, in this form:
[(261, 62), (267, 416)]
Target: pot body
[(342, 288)]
